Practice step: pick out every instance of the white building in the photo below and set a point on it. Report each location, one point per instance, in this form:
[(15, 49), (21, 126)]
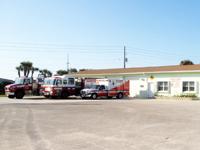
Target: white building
[(146, 82)]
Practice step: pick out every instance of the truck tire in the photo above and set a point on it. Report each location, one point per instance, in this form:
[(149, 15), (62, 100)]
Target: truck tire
[(94, 96), (11, 96), (19, 95), (46, 96), (53, 97), (83, 96), (109, 97), (64, 95), (120, 95)]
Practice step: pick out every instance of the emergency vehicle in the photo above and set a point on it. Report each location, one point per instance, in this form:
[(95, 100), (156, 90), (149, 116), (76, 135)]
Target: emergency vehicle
[(24, 86), (107, 88), (61, 87)]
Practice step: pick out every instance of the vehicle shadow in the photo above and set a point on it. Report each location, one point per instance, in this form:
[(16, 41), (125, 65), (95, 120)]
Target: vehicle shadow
[(43, 98)]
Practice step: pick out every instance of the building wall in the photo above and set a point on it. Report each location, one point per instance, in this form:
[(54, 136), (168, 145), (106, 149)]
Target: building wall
[(146, 85)]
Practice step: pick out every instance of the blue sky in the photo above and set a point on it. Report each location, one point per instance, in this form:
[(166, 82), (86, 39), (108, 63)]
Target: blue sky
[(93, 33)]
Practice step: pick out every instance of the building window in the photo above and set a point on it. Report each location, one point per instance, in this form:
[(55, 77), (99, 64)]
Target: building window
[(188, 86), (163, 86)]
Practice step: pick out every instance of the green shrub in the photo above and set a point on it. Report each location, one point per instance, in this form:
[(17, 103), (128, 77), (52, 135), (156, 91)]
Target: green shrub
[(189, 95)]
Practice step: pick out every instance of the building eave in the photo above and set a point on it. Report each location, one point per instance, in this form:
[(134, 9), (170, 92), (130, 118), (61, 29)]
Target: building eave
[(137, 73)]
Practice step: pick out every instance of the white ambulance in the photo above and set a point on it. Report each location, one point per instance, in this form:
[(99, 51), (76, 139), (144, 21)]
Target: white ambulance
[(105, 88)]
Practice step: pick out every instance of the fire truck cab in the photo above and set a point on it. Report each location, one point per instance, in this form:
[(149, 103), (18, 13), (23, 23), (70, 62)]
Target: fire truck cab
[(61, 87), (23, 86)]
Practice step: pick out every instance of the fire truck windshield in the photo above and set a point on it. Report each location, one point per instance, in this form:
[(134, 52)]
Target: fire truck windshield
[(19, 81), (49, 81)]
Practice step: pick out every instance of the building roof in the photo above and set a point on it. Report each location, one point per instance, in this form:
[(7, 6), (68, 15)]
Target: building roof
[(138, 70)]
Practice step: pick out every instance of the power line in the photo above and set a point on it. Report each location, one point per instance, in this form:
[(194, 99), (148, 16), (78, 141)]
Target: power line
[(58, 45), (149, 55), (42, 46), (86, 49), (155, 51), (62, 48), (102, 52), (56, 50)]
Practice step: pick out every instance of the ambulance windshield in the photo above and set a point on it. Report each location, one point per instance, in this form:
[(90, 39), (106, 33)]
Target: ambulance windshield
[(94, 87)]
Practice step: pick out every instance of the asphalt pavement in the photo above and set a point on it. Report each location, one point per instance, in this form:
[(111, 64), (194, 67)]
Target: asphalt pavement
[(73, 124)]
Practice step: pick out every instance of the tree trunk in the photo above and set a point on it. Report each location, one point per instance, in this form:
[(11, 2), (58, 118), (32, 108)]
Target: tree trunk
[(18, 72), (28, 73), (25, 72), (32, 73)]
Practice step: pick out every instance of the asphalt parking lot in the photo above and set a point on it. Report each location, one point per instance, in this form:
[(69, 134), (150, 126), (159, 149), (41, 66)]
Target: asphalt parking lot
[(35, 124)]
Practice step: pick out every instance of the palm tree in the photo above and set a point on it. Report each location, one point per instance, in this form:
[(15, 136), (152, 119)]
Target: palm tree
[(19, 69), (73, 70), (186, 62), (26, 67), (61, 72), (46, 73), (33, 69)]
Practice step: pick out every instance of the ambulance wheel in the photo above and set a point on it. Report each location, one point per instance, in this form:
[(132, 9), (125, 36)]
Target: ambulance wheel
[(120, 95), (94, 96), (19, 95), (82, 96)]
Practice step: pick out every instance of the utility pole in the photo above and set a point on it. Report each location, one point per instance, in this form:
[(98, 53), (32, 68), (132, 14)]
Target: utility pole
[(68, 63), (125, 59)]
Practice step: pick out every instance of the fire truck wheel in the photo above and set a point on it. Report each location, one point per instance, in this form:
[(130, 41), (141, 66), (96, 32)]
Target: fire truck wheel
[(64, 95), (94, 96), (120, 95), (11, 96), (53, 97), (46, 96), (19, 95)]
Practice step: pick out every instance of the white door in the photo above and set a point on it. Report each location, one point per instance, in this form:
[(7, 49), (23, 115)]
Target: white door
[(138, 88), (134, 88), (150, 90)]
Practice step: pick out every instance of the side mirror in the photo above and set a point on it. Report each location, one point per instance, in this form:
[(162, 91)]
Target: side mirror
[(101, 89)]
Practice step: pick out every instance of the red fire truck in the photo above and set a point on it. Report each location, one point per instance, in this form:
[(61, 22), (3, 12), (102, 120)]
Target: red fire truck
[(61, 87), (107, 88), (23, 86)]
